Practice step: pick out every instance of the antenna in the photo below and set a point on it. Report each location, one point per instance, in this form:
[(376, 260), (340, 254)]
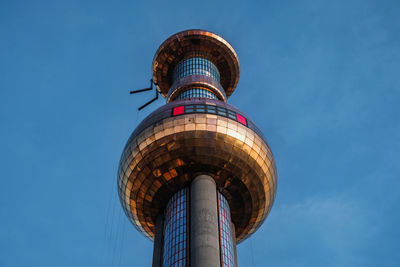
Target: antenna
[(144, 90)]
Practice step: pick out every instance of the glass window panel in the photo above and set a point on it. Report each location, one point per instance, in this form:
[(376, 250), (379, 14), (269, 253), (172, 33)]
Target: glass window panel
[(196, 66), (174, 225), (196, 92), (225, 232)]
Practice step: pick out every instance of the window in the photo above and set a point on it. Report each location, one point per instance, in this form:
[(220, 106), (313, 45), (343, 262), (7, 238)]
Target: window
[(221, 111), (196, 92), (225, 232), (175, 230), (201, 108), (196, 66), (211, 109), (231, 114)]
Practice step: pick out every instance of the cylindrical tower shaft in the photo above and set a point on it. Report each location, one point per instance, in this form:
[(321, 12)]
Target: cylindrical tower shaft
[(204, 241), (234, 243)]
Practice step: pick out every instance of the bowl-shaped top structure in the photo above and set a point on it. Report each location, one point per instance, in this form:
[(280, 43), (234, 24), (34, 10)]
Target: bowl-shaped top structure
[(188, 44), (185, 138)]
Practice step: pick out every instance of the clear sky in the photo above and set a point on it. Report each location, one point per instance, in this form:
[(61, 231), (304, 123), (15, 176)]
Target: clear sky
[(320, 78)]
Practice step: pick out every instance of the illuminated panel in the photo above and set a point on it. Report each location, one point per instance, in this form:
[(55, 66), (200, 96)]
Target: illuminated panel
[(178, 110), (174, 254), (225, 233), (241, 119)]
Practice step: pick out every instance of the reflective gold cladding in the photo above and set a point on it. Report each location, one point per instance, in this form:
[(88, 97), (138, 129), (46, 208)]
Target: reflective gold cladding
[(180, 45), (166, 155)]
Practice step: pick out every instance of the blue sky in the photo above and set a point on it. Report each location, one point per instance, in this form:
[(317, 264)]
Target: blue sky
[(320, 78)]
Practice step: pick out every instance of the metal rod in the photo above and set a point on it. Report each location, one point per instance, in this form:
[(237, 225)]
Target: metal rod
[(143, 90), (140, 90), (151, 101)]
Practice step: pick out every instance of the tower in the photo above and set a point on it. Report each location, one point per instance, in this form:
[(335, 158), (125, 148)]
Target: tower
[(196, 175)]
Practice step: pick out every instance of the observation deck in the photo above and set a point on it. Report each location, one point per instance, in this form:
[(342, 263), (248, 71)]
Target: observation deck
[(191, 43)]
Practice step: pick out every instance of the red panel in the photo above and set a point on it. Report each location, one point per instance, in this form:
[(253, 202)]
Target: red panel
[(241, 119), (178, 110)]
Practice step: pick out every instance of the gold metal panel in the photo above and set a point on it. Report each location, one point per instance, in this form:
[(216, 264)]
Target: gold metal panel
[(211, 116), (222, 122), (160, 134), (190, 127), (233, 125), (200, 119), (211, 128), (221, 130)]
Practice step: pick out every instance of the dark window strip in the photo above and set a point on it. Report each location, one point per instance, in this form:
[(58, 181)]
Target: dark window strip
[(209, 109)]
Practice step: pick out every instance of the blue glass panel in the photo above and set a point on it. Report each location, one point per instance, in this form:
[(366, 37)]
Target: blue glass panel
[(196, 66), (227, 252), (175, 230), (196, 92)]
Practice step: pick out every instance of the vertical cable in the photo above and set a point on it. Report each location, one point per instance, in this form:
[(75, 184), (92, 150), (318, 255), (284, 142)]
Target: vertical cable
[(251, 251), (122, 243)]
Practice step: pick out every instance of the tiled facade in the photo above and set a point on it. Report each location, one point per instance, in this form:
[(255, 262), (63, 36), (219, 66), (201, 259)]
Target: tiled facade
[(162, 154)]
